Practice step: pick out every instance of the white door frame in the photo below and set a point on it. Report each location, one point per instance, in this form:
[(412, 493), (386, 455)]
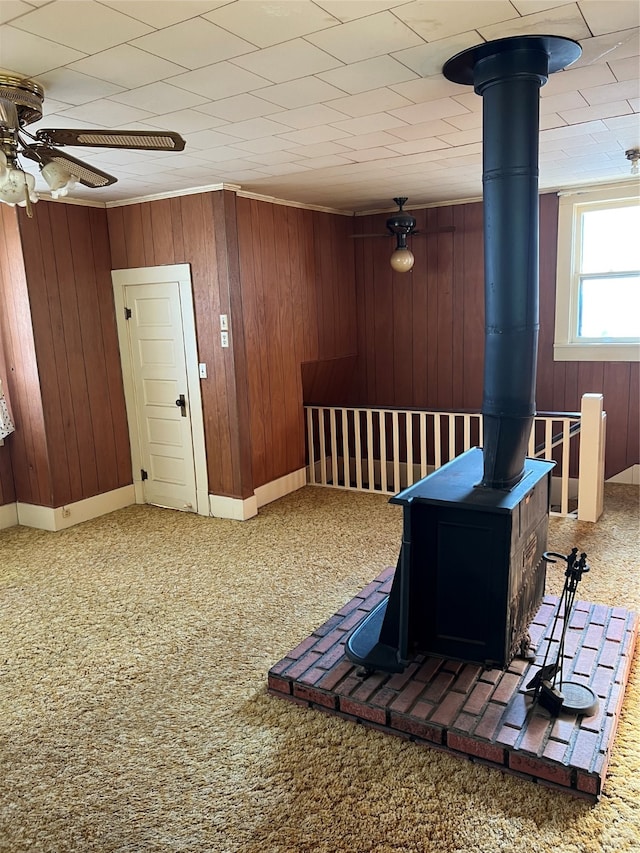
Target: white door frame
[(181, 274)]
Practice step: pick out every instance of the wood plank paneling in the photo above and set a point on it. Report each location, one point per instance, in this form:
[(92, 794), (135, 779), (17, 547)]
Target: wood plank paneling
[(67, 267), (28, 447), (298, 304), (440, 342)]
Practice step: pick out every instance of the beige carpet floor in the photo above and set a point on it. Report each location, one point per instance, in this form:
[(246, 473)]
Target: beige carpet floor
[(133, 714)]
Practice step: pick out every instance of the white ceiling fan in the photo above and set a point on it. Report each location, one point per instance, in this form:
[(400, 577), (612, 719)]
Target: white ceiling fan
[(21, 105)]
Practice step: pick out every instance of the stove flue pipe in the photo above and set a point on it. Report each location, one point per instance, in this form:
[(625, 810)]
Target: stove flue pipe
[(508, 74)]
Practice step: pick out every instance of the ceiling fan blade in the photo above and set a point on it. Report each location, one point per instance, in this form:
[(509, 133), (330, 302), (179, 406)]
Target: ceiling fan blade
[(150, 140), (85, 173), (360, 236)]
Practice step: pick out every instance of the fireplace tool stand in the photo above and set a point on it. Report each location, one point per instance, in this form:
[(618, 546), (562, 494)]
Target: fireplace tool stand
[(567, 696)]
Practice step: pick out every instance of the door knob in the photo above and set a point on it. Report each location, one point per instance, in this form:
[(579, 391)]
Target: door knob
[(182, 404)]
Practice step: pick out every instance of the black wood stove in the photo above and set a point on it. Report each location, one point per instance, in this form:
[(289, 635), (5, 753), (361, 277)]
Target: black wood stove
[(470, 574)]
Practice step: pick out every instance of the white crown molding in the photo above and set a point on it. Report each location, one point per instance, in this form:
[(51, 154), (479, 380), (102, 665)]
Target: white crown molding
[(286, 203), (172, 194)]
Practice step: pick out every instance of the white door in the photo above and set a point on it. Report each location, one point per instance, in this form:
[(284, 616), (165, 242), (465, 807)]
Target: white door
[(162, 395)]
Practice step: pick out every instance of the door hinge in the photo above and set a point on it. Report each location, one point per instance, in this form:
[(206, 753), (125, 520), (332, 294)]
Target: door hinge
[(143, 474), (127, 313)]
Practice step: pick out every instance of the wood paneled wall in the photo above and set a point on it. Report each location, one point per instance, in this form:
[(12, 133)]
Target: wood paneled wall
[(200, 230), (298, 304), (285, 278), (421, 334), (75, 364), (29, 465)]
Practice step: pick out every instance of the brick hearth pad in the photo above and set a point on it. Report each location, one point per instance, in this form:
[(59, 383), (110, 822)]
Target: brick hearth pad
[(480, 714)]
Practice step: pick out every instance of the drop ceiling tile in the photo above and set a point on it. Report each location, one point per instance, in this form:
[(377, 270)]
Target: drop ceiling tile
[(255, 128), (613, 91), (531, 7), (467, 121), (572, 130), (415, 146), (349, 10), (273, 158), (221, 80), (321, 133), (264, 145), (430, 89), (598, 111), (367, 155), (12, 9), (623, 124), (549, 120), (185, 121), (608, 16), (563, 21), (74, 88), (308, 116), (462, 137), (24, 53), (288, 61), (268, 23), (203, 139), (370, 140), (193, 44), (429, 111), (160, 14), (470, 101), (127, 66), (578, 78), (283, 169), (612, 46), (322, 149), (438, 19), (300, 93), (370, 102), (159, 98), (222, 154), (239, 108), (625, 69), (562, 101), (328, 162), (368, 74), (369, 124), (424, 129), (107, 113), (94, 28), (366, 37), (427, 59)]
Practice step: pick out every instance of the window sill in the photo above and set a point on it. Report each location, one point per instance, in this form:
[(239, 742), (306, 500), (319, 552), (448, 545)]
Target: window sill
[(596, 352)]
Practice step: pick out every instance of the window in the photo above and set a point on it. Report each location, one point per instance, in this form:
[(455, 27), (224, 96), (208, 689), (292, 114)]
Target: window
[(598, 276)]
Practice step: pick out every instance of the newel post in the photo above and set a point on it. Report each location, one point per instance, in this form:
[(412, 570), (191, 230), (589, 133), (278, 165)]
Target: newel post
[(591, 461)]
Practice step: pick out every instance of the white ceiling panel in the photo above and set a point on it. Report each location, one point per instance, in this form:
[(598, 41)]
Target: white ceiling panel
[(88, 27), (366, 37), (127, 66), (268, 23), (368, 74), (330, 102), (193, 44), (288, 61)]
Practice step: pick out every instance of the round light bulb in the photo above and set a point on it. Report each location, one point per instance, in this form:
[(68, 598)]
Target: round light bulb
[(402, 260)]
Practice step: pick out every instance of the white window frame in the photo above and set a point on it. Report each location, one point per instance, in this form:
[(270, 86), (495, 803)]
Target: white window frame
[(567, 347)]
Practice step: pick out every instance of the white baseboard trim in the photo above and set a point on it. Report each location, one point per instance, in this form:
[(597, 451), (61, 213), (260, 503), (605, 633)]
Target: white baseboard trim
[(8, 516), (281, 487), (235, 508), (631, 476), (61, 517)]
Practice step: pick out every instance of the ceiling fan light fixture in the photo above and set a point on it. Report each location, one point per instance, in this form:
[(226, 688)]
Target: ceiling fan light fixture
[(18, 187), (402, 260), (60, 180)]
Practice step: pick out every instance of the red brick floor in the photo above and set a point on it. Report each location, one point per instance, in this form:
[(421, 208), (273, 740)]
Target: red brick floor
[(482, 714)]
